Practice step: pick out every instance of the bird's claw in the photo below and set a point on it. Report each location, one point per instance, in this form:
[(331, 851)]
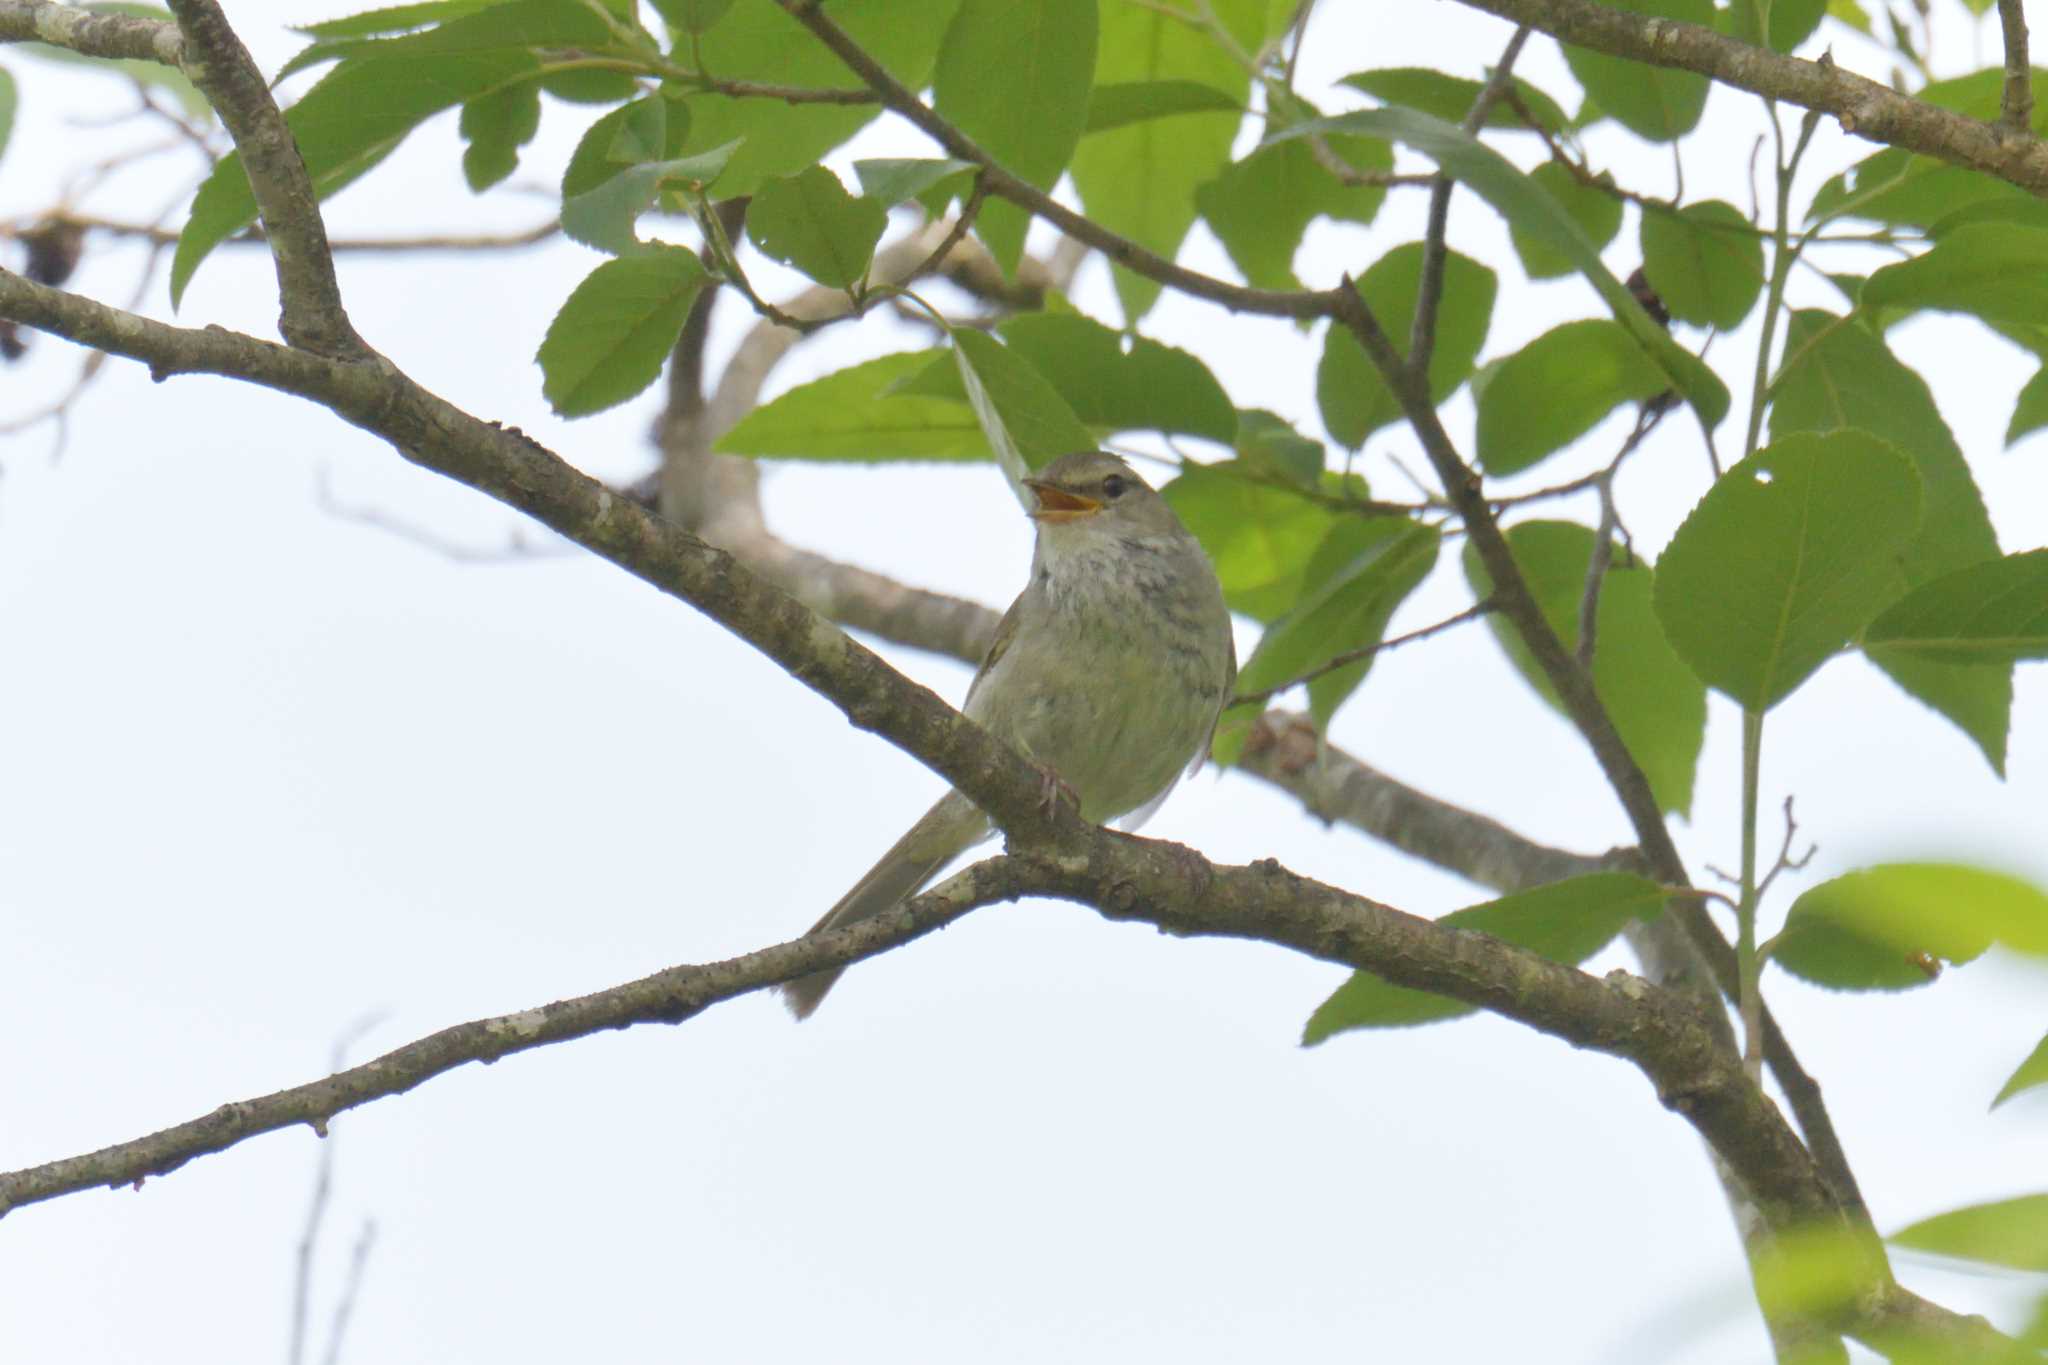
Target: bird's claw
[(1052, 788)]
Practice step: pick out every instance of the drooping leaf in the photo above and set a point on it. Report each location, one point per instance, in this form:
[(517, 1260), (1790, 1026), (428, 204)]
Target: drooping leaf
[(1260, 207), (1659, 707), (759, 41), (1127, 102), (607, 216), (1560, 386), (1014, 76), (1363, 571), (1992, 612), (1838, 375), (496, 127), (809, 221), (1354, 399), (1149, 387), (1567, 921), (344, 125), (1883, 927), (1596, 213), (1654, 102), (1705, 261), (1995, 271), (610, 338), (1450, 98), (1139, 179), (861, 414), (2007, 1232), (1789, 554), (652, 128), (1026, 421), (1259, 531), (2030, 1074), (891, 180), (1526, 204)]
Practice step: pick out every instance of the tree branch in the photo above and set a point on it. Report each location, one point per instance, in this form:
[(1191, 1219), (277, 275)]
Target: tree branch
[(2016, 101), (1863, 107), (114, 36)]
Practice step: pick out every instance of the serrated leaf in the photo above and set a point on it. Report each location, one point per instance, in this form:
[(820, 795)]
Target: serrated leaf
[(1127, 102), (1658, 706), (2030, 1074), (2007, 1232), (1705, 261), (1525, 203), (495, 127), (608, 215), (1027, 423), (861, 414), (1992, 612), (1659, 103), (1259, 532), (891, 180), (1014, 76), (1140, 179), (809, 221), (1450, 98), (616, 329), (1354, 399), (1838, 375), (759, 41), (1879, 928), (1149, 387), (1560, 386), (1789, 554), (1597, 215), (1352, 585), (1567, 922), (352, 119), (1995, 271), (1261, 206)]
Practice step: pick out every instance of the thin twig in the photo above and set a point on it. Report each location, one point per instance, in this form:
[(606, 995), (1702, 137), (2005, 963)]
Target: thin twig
[(517, 547), (157, 235), (1352, 656), (1785, 862), (323, 1183), (2016, 103), (351, 1291)]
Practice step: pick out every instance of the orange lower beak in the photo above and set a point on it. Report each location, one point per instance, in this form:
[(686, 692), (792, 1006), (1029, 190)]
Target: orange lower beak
[(1057, 504)]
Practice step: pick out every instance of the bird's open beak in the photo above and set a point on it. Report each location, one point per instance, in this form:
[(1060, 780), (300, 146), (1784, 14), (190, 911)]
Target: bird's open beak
[(1057, 504)]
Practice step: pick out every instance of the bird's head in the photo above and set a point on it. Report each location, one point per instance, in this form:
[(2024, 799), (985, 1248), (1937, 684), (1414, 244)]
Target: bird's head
[(1094, 492)]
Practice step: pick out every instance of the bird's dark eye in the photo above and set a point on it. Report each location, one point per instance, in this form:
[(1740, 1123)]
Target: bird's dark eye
[(1115, 486)]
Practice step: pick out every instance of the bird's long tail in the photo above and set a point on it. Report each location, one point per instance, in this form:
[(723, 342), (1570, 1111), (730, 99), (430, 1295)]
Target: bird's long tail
[(949, 828)]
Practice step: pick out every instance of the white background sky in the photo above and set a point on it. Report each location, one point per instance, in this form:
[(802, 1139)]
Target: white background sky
[(267, 771)]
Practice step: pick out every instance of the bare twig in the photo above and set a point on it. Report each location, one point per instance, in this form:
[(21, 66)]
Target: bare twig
[(518, 547), (1785, 861), (157, 235), (323, 1183), (351, 1291), (1352, 656)]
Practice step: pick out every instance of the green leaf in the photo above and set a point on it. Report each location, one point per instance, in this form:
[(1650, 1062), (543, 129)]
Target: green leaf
[(1659, 707), (1705, 261), (1151, 387), (1895, 186), (1267, 444), (1019, 411), (1363, 570), (2031, 1073), (1526, 204), (496, 127), (393, 19), (1260, 207), (1996, 271), (861, 414), (1259, 532), (1567, 922), (1880, 928), (2007, 1232), (617, 327), (1789, 554), (652, 128), (168, 79), (1140, 179), (607, 216), (1792, 21), (505, 26), (9, 99), (759, 41), (1993, 612), (809, 221), (1839, 375), (1354, 399), (891, 180), (1127, 102), (1450, 98), (2030, 413), (692, 16), (1597, 215), (1659, 103), (344, 125), (1014, 76), (1560, 386)]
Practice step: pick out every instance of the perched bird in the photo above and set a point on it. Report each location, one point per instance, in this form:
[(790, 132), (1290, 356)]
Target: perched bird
[(1109, 671)]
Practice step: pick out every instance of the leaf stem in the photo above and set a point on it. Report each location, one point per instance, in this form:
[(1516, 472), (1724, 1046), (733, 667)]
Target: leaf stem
[(1748, 963)]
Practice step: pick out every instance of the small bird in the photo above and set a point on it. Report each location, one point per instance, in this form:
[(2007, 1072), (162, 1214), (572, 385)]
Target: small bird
[(1109, 671)]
